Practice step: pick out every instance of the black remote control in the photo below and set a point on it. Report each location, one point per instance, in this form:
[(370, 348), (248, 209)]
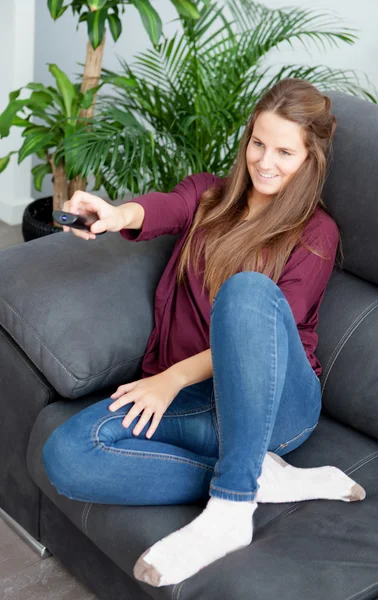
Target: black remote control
[(76, 221)]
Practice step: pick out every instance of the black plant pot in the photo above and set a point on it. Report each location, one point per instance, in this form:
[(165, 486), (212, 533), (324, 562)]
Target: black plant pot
[(37, 219)]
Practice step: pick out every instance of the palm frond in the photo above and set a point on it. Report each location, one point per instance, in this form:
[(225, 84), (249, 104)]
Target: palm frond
[(192, 94), (274, 26)]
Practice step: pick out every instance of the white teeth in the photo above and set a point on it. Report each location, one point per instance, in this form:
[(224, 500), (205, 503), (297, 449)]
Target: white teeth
[(266, 176)]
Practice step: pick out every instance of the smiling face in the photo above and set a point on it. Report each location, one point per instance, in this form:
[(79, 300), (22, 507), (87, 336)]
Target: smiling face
[(275, 152)]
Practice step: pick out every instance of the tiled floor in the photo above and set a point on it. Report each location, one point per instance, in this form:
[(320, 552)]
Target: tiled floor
[(23, 574), (10, 235)]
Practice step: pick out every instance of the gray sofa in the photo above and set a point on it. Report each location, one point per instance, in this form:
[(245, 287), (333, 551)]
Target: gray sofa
[(75, 317)]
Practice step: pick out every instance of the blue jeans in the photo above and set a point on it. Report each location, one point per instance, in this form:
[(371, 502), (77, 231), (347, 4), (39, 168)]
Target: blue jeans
[(212, 440)]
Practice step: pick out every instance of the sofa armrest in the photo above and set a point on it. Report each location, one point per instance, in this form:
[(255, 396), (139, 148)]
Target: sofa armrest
[(82, 310)]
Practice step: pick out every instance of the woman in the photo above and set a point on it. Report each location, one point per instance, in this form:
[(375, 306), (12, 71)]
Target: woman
[(230, 379)]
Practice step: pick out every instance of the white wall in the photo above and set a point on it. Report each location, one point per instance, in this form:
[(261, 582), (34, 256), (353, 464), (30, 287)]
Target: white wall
[(361, 57), (59, 42), (16, 68)]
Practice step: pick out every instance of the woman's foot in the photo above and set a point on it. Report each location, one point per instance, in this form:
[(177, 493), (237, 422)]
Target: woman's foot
[(280, 482), (223, 527)]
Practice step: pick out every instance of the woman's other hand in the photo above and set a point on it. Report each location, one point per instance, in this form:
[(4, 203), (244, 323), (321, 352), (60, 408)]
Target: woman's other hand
[(151, 396)]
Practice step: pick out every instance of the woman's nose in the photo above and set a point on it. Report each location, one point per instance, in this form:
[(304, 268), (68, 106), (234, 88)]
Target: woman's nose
[(266, 161)]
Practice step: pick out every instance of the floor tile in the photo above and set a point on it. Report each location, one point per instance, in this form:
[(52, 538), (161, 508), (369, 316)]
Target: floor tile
[(10, 235), (45, 580), (15, 554)]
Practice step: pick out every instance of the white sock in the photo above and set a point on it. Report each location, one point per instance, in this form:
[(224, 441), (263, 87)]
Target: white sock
[(223, 527), (280, 482)]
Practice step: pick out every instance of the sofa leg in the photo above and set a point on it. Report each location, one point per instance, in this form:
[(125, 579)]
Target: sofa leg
[(36, 546)]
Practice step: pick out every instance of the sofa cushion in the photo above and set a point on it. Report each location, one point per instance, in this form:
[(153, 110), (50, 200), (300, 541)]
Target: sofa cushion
[(350, 191), (348, 351), (84, 319), (316, 549)]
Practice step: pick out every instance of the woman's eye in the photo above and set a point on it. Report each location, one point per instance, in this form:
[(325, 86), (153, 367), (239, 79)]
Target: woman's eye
[(260, 144)]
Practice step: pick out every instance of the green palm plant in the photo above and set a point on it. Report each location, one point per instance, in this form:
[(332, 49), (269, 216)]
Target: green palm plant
[(57, 109), (182, 105), (50, 114), (98, 13)]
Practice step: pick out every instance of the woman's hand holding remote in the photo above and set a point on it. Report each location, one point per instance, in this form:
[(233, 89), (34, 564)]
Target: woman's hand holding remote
[(109, 217)]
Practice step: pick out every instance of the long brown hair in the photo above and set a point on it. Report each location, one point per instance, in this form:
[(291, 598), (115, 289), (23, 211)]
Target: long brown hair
[(264, 243)]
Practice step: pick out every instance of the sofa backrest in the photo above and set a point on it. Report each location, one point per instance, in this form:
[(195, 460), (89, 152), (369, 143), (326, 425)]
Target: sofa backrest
[(348, 316)]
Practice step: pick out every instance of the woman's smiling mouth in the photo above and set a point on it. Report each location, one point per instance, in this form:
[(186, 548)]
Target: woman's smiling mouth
[(266, 176)]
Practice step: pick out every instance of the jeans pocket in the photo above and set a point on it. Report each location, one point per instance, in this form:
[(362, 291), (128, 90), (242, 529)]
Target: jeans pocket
[(295, 442)]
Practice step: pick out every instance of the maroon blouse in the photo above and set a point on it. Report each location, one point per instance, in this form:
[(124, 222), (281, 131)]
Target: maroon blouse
[(182, 314)]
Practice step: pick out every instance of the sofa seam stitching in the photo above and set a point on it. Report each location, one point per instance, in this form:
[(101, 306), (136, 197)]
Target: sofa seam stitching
[(82, 516), (361, 463), (357, 595), (86, 517), (180, 586), (345, 337)]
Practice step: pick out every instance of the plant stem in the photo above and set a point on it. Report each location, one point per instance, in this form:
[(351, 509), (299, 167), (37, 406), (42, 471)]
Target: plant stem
[(60, 186), (78, 183), (92, 72), (91, 77)]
